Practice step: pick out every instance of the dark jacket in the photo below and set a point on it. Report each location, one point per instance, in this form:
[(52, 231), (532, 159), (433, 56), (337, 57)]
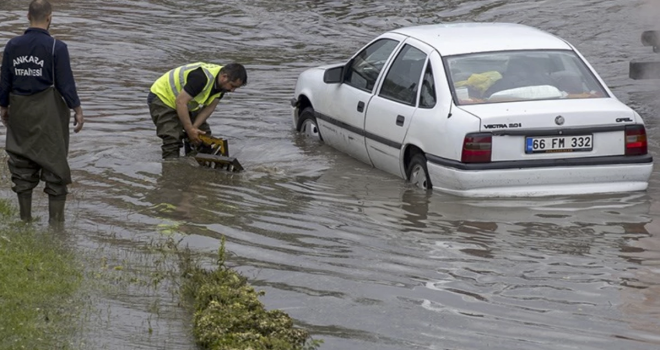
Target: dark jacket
[(27, 67)]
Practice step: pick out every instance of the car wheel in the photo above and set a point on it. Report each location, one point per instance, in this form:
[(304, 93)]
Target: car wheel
[(418, 174), (308, 126)]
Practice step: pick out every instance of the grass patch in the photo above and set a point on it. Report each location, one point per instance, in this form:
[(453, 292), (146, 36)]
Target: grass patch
[(39, 280), (44, 285), (228, 313)]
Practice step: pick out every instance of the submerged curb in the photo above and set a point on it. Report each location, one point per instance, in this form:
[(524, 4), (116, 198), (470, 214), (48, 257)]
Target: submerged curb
[(228, 313)]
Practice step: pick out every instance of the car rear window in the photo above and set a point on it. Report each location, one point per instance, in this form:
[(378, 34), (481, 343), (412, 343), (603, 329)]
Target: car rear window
[(511, 76)]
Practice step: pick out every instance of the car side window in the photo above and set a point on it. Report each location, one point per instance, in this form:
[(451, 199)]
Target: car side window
[(402, 80), (364, 69), (427, 94)]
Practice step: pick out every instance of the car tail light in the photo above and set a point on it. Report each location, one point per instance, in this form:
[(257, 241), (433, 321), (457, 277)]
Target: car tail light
[(477, 148), (636, 140)]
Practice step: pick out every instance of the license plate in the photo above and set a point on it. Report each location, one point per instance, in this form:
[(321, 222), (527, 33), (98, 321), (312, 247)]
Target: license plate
[(544, 144)]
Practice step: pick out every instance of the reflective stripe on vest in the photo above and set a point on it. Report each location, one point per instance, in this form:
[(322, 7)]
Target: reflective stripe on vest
[(170, 85)]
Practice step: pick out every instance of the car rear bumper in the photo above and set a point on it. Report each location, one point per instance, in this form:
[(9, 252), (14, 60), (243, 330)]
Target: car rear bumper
[(540, 181)]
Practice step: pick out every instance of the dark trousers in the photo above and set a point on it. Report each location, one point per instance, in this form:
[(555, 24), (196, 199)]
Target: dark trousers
[(25, 174), (38, 142), (169, 127)]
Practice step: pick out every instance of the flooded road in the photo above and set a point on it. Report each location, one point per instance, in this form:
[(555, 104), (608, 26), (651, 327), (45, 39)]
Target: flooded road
[(354, 255)]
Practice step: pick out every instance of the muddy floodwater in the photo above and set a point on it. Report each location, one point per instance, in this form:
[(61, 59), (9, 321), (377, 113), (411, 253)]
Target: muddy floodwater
[(356, 256)]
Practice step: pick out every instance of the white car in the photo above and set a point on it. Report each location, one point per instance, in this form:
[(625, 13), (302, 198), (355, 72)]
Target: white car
[(477, 110)]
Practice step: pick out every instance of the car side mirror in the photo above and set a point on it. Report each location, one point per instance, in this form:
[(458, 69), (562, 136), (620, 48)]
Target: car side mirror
[(333, 75)]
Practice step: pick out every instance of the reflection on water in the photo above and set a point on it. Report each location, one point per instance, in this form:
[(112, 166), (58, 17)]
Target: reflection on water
[(640, 287), (356, 256)]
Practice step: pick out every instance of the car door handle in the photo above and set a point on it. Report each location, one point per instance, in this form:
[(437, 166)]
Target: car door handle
[(400, 119), (360, 107)]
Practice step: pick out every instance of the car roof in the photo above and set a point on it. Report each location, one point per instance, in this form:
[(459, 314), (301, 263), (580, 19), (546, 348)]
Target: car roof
[(463, 38)]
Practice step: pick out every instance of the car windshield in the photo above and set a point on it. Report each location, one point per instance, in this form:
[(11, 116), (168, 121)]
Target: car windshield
[(511, 76)]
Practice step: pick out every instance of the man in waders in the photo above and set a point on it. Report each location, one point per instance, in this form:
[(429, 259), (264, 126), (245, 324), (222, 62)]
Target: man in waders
[(37, 93), (182, 99)]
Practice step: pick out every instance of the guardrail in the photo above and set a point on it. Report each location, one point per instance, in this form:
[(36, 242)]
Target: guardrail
[(640, 69)]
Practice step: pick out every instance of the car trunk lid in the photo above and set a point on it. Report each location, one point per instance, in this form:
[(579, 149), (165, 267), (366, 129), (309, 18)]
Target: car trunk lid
[(555, 129)]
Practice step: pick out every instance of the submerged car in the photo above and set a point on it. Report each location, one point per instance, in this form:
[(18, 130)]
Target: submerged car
[(477, 110)]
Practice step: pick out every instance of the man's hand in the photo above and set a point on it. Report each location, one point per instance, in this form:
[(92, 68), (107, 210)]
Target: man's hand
[(78, 119), (4, 115), (78, 122), (193, 135)]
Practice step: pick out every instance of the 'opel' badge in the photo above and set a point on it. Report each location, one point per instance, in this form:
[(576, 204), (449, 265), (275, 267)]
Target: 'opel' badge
[(559, 120)]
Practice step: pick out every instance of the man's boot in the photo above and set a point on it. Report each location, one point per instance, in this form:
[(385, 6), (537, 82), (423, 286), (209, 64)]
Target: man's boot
[(56, 209), (25, 206)]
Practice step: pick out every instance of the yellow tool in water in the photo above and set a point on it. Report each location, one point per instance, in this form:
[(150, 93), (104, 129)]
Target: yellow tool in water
[(214, 154)]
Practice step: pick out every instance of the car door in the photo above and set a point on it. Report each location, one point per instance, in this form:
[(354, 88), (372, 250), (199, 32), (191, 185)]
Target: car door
[(434, 130), (391, 111), (344, 116)]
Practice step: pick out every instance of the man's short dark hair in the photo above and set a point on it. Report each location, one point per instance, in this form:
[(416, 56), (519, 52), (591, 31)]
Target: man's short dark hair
[(39, 10), (235, 71)]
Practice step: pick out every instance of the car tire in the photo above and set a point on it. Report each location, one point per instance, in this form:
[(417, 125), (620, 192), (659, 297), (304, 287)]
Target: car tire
[(307, 124), (418, 173)]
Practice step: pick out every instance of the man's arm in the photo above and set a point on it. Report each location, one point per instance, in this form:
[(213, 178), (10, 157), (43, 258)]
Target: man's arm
[(66, 85), (64, 81), (5, 86), (182, 111), (194, 86), (205, 113)]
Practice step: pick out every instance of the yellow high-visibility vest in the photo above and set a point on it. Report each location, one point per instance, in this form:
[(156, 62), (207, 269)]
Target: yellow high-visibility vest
[(170, 84)]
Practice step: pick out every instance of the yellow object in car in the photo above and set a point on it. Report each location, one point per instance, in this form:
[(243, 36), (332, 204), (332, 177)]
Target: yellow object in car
[(480, 81)]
